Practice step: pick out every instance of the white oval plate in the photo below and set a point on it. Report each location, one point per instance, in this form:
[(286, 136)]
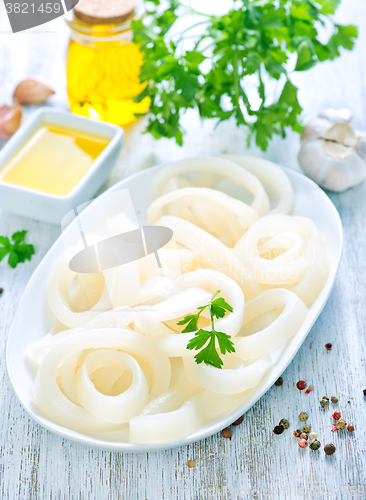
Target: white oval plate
[(33, 318)]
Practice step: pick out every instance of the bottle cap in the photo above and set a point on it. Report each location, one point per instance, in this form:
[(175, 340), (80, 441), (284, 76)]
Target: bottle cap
[(104, 12)]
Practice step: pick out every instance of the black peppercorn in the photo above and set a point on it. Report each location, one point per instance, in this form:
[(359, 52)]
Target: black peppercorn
[(278, 429), (238, 421), (329, 449), (279, 381), (227, 433)]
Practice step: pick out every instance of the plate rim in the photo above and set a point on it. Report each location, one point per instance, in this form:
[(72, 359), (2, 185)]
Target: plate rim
[(118, 446)]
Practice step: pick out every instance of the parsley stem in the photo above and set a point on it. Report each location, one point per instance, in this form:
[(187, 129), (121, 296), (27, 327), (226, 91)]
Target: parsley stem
[(209, 306), (236, 87), (181, 33)]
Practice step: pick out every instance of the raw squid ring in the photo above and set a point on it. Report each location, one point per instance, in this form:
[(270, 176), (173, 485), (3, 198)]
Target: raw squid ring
[(275, 272), (57, 290), (227, 381), (202, 207), (215, 253), (51, 399), (272, 174), (306, 275), (217, 167), (178, 413), (279, 331), (117, 409)]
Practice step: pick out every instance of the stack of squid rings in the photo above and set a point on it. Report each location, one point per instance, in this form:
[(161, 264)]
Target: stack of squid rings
[(120, 369)]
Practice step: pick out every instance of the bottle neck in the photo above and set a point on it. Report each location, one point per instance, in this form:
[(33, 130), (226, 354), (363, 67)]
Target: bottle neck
[(87, 34)]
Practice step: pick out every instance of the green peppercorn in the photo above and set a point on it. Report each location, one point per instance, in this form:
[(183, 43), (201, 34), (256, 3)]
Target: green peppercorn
[(303, 416), (284, 423), (334, 400), (324, 403), (314, 445), (306, 428), (304, 436)]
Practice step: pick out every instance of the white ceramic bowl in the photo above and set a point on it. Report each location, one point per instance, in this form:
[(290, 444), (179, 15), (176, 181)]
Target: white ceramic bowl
[(309, 201), (47, 207)]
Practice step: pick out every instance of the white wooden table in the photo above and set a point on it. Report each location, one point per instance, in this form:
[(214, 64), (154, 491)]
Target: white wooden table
[(35, 464)]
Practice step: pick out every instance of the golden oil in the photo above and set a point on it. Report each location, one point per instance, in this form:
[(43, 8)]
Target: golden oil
[(53, 160), (102, 70)]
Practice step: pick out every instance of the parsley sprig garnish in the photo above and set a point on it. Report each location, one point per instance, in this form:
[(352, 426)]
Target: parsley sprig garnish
[(18, 249), (224, 69), (208, 354)]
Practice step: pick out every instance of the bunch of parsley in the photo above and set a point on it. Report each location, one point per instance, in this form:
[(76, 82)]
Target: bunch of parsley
[(266, 38)]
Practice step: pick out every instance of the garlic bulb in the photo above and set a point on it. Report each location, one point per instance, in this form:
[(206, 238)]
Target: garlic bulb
[(32, 91), (10, 118), (332, 153)]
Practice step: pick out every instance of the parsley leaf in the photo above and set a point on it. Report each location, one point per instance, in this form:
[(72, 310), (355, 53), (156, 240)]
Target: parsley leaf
[(19, 250), (208, 69), (208, 354)]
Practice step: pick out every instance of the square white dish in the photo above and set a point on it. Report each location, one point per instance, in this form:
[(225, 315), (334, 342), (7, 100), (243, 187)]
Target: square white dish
[(309, 200), (47, 207)]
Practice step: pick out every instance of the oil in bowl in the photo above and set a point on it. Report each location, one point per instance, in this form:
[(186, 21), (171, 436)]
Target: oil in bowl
[(53, 160)]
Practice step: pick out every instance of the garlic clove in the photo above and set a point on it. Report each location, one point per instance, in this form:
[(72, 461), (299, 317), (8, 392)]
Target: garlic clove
[(10, 118), (316, 128), (32, 91), (336, 115)]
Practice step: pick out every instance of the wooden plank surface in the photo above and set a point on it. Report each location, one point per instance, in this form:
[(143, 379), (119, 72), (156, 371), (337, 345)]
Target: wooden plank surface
[(35, 464)]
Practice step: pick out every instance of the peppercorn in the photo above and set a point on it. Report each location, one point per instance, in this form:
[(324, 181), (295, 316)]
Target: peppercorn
[(328, 346), (284, 423), (302, 443), (238, 421), (306, 428), (190, 463), (334, 399), (364, 392), (227, 433), (313, 436), (1, 290), (303, 416), (279, 381), (314, 445), (297, 433), (278, 429), (304, 436), (324, 403), (325, 397), (350, 427), (336, 415), (309, 389), (329, 449), (301, 385), (341, 424)]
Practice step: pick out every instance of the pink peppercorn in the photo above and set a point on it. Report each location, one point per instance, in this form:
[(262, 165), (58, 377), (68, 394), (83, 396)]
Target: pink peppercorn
[(303, 443), (337, 415), (301, 385)]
